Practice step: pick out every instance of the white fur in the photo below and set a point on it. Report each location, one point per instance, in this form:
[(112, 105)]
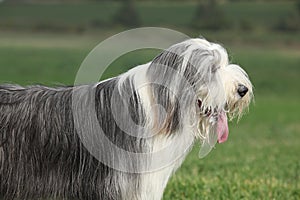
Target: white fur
[(217, 94), (217, 91)]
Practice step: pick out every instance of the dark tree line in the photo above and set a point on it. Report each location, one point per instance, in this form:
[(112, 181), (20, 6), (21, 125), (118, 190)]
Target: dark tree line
[(128, 15)]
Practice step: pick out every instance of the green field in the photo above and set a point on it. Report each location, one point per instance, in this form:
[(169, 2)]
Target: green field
[(261, 158)]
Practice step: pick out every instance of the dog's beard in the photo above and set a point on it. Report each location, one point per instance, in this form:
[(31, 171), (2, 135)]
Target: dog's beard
[(212, 129)]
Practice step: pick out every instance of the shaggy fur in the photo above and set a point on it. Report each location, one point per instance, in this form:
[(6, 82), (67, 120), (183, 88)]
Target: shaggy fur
[(43, 143)]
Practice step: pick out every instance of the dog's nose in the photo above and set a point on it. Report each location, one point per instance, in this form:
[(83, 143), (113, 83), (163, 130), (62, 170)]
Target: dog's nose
[(242, 90)]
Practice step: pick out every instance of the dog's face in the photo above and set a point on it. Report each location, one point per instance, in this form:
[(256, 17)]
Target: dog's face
[(237, 95), (219, 90), (226, 94)]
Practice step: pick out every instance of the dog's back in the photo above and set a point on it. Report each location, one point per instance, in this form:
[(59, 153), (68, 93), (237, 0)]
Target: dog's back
[(41, 155)]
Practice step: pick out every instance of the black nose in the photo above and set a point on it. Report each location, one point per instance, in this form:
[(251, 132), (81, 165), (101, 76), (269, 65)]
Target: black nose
[(242, 90)]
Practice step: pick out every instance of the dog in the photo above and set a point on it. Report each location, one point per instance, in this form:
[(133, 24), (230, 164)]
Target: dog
[(59, 143)]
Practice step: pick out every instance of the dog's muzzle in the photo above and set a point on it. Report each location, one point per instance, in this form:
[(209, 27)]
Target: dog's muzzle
[(242, 90), (222, 123)]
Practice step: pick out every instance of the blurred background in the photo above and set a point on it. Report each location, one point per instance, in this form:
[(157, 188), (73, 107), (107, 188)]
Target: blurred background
[(45, 41)]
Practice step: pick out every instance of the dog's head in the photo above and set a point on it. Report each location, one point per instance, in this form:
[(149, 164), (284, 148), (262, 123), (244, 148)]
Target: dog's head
[(199, 89)]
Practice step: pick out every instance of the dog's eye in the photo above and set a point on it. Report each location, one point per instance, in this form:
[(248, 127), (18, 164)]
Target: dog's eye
[(199, 102)]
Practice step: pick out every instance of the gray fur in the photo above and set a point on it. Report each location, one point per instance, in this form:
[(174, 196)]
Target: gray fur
[(41, 155)]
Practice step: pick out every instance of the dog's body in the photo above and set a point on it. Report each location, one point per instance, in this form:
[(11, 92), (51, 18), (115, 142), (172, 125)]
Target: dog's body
[(43, 149)]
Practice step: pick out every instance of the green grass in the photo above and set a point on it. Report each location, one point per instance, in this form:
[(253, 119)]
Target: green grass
[(261, 158), (34, 65)]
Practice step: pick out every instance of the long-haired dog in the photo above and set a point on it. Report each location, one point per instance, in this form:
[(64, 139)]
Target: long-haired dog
[(51, 146)]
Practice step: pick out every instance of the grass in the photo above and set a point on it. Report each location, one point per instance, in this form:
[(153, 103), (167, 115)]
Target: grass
[(39, 65), (260, 160)]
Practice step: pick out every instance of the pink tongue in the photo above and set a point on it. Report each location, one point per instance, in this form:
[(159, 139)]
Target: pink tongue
[(222, 128)]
